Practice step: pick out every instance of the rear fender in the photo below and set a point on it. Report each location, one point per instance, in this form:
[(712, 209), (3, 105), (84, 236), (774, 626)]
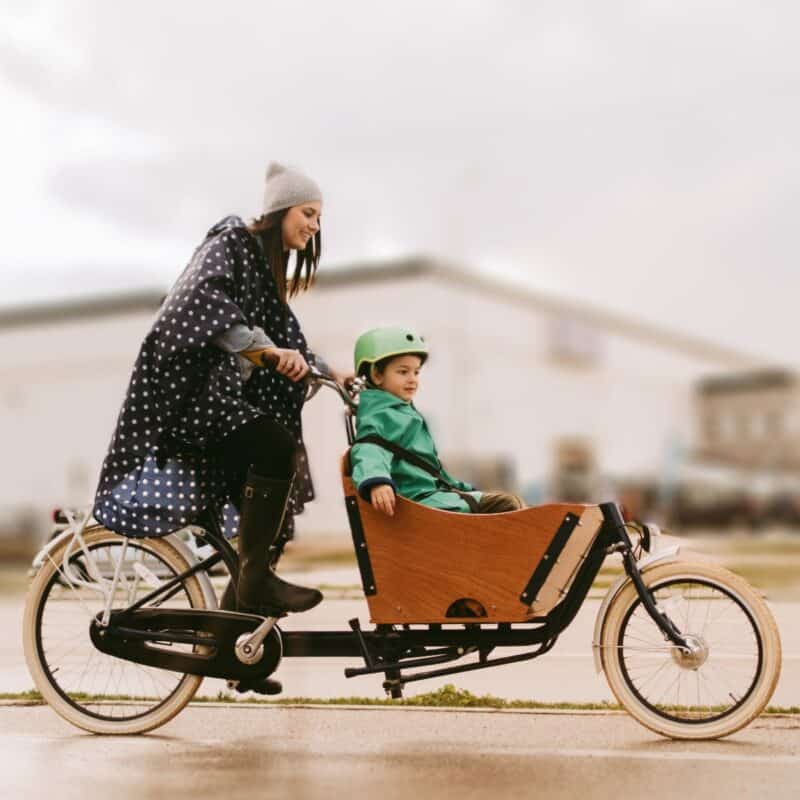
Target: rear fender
[(209, 595)]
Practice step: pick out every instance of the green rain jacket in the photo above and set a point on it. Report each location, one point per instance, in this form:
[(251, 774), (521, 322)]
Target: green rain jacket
[(383, 414)]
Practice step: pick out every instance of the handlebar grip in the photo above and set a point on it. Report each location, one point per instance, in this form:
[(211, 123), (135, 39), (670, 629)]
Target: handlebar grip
[(269, 359)]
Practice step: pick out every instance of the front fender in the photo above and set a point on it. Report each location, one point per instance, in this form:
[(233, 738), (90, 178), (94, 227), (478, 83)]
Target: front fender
[(662, 556)]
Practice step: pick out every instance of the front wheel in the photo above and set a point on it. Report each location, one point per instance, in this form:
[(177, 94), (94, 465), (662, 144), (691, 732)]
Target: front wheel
[(722, 682)]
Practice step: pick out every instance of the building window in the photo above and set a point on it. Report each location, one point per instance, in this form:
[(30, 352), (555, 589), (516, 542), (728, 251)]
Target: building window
[(727, 427), (773, 422), (574, 473), (574, 342), (743, 426), (14, 399)]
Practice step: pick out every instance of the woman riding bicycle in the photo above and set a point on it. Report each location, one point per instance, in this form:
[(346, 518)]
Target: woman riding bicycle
[(201, 425)]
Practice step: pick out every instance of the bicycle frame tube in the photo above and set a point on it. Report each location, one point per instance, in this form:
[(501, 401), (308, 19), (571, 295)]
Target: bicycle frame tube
[(213, 534), (173, 585), (77, 525), (110, 598)]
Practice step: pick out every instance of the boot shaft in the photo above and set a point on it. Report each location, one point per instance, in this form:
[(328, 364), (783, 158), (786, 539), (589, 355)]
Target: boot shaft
[(263, 508), (262, 511)]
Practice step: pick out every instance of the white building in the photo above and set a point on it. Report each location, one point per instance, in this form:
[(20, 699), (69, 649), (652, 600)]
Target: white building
[(552, 391)]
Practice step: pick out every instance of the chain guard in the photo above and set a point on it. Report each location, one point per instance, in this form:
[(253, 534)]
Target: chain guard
[(139, 636)]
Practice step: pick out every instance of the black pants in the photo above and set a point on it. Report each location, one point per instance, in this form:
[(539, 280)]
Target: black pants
[(263, 444)]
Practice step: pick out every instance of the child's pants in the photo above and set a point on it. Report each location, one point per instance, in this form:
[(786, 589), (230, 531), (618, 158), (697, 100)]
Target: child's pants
[(495, 502)]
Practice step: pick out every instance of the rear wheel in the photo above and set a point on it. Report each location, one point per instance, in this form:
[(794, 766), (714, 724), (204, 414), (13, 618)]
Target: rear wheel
[(726, 678), (90, 689)]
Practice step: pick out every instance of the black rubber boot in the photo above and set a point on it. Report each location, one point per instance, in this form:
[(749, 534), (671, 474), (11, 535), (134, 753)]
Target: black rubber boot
[(264, 686), (260, 590)]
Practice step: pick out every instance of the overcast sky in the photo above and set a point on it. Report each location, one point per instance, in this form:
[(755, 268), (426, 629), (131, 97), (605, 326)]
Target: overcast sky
[(640, 156)]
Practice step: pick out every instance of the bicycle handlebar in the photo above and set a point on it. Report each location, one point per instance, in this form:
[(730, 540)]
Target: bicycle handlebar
[(269, 359), (314, 379)]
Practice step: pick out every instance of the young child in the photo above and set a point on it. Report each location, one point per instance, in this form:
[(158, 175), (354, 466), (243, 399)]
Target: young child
[(401, 457)]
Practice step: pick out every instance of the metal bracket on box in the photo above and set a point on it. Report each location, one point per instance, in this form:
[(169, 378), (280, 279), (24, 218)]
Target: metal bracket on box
[(549, 559), (360, 544)]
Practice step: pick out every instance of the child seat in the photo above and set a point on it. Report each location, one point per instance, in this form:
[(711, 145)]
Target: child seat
[(424, 565)]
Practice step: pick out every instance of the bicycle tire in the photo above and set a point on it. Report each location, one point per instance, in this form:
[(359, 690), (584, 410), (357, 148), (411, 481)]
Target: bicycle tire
[(761, 659)]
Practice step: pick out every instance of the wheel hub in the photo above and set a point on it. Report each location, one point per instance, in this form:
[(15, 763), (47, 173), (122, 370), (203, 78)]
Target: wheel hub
[(694, 655)]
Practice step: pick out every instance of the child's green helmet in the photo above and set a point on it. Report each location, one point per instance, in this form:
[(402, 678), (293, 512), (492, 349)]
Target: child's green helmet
[(381, 343)]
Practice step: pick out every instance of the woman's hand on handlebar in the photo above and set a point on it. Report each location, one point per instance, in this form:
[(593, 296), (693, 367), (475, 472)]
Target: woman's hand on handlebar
[(290, 363), (285, 362), (382, 499)]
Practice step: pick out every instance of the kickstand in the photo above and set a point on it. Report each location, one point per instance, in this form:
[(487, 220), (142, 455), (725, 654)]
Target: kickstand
[(355, 625), (393, 684)]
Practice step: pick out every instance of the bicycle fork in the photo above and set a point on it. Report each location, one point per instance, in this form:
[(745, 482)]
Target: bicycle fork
[(621, 543)]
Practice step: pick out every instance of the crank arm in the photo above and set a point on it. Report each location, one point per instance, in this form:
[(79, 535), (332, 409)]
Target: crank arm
[(248, 646)]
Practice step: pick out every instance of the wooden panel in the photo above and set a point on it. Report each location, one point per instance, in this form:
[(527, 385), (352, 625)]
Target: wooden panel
[(569, 560), (424, 559)]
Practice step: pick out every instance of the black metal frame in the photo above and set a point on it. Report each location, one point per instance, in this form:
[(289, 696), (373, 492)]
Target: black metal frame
[(388, 649)]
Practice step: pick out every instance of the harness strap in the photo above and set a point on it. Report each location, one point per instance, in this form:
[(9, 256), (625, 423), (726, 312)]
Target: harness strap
[(419, 461)]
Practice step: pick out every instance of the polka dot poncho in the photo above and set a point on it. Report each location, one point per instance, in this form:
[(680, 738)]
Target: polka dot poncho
[(186, 394)]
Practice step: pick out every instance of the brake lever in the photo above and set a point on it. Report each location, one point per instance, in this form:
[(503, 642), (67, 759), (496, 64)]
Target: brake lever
[(312, 386), (314, 379)]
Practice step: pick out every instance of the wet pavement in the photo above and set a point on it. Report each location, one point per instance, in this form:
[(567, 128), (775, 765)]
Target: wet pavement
[(310, 753)]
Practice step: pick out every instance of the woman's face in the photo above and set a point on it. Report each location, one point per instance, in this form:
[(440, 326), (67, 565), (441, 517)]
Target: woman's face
[(299, 224)]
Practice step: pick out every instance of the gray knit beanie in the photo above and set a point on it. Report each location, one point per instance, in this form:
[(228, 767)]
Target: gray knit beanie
[(287, 187)]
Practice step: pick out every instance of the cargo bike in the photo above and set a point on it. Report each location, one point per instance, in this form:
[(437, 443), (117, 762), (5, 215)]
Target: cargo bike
[(119, 633)]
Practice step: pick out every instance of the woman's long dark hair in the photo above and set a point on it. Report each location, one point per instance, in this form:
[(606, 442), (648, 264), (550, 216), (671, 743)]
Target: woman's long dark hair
[(268, 228)]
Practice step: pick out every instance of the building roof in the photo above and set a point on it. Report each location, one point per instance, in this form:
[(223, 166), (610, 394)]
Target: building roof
[(748, 381), (101, 305), (506, 290), (413, 268)]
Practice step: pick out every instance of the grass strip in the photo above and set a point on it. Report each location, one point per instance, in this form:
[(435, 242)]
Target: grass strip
[(449, 696)]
